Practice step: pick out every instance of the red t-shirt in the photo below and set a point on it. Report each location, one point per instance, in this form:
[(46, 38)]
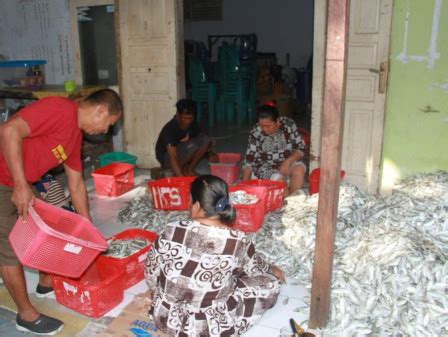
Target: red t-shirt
[(55, 138)]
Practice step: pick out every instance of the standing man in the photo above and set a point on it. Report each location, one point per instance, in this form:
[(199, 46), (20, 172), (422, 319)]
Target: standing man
[(275, 150), (40, 137), (181, 143)]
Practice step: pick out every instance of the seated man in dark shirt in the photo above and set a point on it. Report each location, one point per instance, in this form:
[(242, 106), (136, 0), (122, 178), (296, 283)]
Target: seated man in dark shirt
[(181, 143)]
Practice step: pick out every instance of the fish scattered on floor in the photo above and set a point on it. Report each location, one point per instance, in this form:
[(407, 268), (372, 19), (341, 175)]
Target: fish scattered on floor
[(390, 272)]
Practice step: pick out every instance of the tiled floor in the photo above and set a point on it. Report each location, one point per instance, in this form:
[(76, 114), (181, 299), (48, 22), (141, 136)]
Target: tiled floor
[(104, 213)]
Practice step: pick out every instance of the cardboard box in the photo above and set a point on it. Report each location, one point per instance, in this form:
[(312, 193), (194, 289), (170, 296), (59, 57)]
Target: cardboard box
[(134, 321)]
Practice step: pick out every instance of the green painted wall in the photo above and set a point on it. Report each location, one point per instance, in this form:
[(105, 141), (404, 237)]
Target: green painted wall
[(416, 120)]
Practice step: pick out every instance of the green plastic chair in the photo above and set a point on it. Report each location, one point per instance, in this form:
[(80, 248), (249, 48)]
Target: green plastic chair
[(203, 91), (236, 86)]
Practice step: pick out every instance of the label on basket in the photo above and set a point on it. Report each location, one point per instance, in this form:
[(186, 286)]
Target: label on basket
[(142, 257), (69, 287), (72, 248), (173, 195)]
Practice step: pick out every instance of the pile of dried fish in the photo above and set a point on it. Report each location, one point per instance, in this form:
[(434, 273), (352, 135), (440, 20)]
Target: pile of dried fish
[(140, 213), (390, 274), (121, 248), (242, 198)]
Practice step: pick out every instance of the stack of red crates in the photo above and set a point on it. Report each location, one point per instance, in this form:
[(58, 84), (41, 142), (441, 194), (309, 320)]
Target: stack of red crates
[(101, 287)]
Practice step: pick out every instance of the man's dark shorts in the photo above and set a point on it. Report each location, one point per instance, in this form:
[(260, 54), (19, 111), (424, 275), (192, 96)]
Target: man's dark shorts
[(186, 149), (8, 217)]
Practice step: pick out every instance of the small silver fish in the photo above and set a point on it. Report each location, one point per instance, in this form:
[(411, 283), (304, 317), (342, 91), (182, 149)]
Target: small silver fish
[(122, 248), (242, 198)]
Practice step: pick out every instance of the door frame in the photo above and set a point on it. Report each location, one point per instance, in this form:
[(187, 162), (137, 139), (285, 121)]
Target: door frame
[(76, 47), (319, 36)]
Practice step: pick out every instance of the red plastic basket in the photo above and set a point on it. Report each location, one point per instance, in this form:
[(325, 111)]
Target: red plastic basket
[(249, 218), (314, 180), (274, 188), (56, 241), (133, 265), (227, 167), (96, 292), (113, 179), (172, 194)]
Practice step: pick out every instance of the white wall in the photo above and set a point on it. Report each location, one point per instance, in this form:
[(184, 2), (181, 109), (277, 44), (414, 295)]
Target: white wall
[(38, 29), (282, 26)]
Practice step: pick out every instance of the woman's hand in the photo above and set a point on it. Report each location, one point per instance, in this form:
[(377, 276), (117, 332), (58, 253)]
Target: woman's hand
[(280, 274)]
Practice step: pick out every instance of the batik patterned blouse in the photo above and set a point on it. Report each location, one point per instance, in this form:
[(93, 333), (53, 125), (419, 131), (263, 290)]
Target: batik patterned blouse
[(207, 281), (265, 153)]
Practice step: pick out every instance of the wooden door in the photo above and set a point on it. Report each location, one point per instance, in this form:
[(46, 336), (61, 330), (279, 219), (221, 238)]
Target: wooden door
[(368, 55), (152, 71), (367, 73)]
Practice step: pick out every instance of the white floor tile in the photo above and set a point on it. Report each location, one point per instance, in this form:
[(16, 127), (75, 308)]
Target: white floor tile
[(317, 333), (281, 313), (104, 208), (138, 288), (292, 290), (32, 279), (110, 228), (262, 331)]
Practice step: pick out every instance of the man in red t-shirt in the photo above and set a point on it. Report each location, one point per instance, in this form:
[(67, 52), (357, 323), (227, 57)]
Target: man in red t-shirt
[(38, 138)]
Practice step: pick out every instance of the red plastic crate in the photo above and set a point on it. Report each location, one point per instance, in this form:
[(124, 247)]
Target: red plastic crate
[(314, 180), (274, 188), (172, 194), (249, 218), (133, 265), (56, 241), (113, 179), (227, 167), (96, 292)]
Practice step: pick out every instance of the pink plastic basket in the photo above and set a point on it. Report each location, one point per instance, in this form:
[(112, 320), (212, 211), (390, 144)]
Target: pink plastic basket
[(249, 218), (171, 194), (56, 241), (133, 265), (113, 179), (227, 167), (275, 189), (95, 293)]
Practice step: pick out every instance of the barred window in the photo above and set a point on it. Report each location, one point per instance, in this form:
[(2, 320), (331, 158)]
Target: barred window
[(203, 10)]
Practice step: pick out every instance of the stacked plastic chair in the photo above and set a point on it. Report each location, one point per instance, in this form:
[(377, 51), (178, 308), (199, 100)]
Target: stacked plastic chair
[(203, 91), (248, 56), (236, 89)]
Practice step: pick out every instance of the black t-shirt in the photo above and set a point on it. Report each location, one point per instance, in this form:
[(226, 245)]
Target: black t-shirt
[(172, 134)]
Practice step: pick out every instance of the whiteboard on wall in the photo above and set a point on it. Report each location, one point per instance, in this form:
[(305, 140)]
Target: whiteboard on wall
[(38, 29)]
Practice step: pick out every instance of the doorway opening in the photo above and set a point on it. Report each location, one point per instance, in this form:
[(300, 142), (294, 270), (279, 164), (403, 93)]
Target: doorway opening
[(96, 28), (273, 43)]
